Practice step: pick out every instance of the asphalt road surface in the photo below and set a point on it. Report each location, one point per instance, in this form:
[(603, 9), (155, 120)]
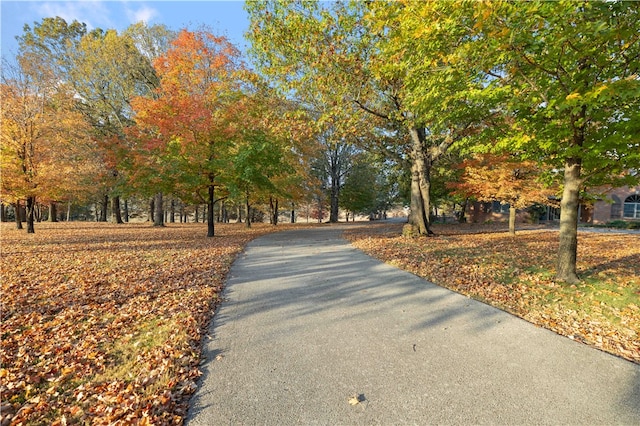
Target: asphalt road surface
[(313, 331)]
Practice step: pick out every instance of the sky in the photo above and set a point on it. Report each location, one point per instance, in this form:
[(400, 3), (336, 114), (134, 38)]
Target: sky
[(223, 17)]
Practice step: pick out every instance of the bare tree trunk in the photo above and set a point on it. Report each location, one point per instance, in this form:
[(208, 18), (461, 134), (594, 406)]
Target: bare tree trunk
[(115, 210), (104, 206), (512, 220), (420, 184), (53, 212), (273, 203), (568, 248), (31, 206), (69, 211), (172, 211), (152, 209), (17, 208), (158, 215), (210, 221), (248, 206), (126, 211), (293, 213)]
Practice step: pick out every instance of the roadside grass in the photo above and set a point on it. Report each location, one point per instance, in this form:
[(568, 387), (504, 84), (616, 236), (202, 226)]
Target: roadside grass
[(517, 274), (103, 323)]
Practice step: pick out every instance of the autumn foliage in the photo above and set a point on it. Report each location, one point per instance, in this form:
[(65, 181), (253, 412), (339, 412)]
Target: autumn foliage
[(102, 323)]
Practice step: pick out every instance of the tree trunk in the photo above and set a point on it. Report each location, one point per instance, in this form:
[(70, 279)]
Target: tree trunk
[(115, 210), (104, 206), (53, 212), (126, 211), (512, 220), (31, 207), (274, 210), (152, 208), (172, 209), (195, 216), (420, 184), (568, 248), (37, 212), (69, 211), (158, 214), (18, 214), (248, 218), (210, 222), (293, 213), (334, 200)]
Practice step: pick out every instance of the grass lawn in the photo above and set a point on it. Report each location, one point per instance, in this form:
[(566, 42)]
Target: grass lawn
[(517, 274)]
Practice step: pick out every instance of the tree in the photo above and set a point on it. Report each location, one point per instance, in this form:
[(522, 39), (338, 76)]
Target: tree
[(570, 70), (506, 179), (358, 61), (193, 117), (360, 191), (45, 151)]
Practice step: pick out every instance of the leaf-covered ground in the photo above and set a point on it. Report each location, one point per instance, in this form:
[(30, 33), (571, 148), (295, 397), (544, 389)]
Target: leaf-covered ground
[(517, 275), (102, 324)]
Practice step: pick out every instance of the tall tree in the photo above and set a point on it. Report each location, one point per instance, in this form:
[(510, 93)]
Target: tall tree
[(193, 117), (46, 151), (570, 70), (357, 60)]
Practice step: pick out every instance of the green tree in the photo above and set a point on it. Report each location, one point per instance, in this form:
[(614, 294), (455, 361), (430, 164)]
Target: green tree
[(570, 70), (358, 61)]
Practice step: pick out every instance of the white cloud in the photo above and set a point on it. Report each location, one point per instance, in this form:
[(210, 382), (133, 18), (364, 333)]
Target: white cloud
[(143, 13), (93, 13)]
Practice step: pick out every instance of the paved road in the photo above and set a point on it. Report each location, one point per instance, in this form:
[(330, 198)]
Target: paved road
[(310, 321)]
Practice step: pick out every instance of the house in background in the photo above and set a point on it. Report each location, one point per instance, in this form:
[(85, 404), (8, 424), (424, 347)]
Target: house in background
[(618, 204)]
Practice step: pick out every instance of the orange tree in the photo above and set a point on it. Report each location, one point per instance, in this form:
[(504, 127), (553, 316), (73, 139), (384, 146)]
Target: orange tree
[(187, 127), (503, 178)]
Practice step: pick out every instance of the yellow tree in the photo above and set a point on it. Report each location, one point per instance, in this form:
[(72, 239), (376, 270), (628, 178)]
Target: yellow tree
[(45, 146)]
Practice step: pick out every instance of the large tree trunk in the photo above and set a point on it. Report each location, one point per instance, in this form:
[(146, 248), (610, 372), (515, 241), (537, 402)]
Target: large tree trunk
[(53, 212), (334, 200), (31, 207), (158, 214), (420, 183), (115, 209), (210, 212), (512, 220), (18, 214), (152, 209), (568, 248)]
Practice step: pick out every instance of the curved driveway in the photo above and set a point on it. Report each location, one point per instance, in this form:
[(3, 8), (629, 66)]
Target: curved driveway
[(309, 322)]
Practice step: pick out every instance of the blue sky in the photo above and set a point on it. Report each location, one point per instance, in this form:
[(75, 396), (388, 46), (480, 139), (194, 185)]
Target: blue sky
[(223, 17)]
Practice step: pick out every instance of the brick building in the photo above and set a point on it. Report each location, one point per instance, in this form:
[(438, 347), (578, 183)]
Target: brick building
[(619, 204)]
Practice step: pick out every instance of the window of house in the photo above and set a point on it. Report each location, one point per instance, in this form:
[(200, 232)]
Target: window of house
[(632, 207), (616, 207)]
